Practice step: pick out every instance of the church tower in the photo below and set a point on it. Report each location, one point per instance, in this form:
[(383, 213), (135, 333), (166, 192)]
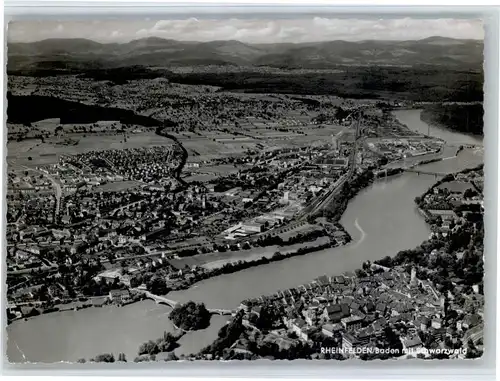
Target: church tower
[(413, 277)]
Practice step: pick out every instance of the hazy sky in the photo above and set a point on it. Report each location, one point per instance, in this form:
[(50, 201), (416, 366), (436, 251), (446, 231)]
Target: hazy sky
[(249, 29)]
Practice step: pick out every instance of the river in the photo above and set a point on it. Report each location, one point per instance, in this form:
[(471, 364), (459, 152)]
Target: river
[(382, 220), (71, 335), (411, 118)]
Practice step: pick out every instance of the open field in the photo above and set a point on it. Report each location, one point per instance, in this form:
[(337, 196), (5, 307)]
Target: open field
[(201, 177), (49, 151), (200, 146), (218, 170), (117, 186), (255, 135), (212, 144)]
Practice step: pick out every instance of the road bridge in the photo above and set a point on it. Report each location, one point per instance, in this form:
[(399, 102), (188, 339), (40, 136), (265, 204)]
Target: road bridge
[(384, 172), (423, 172), (157, 298), (172, 303)]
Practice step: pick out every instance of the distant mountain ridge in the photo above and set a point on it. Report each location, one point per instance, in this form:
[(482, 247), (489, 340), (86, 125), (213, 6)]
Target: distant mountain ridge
[(155, 51)]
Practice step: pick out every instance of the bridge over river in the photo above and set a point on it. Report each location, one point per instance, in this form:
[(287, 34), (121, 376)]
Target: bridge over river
[(423, 172), (384, 172), (172, 303)]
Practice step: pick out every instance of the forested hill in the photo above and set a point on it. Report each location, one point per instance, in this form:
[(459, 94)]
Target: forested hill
[(32, 108), (154, 51), (463, 118), (434, 69)]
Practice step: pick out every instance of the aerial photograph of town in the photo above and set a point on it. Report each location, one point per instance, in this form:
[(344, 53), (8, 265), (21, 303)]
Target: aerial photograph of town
[(244, 188)]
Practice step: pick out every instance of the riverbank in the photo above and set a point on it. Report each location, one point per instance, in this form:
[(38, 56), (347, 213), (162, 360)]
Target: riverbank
[(413, 120), (212, 261), (239, 265), (447, 178), (466, 119), (75, 305), (333, 214), (72, 335)]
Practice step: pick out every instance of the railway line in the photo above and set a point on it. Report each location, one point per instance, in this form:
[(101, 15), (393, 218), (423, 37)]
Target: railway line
[(324, 200)]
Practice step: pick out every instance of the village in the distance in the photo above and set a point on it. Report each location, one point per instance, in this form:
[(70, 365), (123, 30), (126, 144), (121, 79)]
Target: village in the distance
[(129, 188)]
